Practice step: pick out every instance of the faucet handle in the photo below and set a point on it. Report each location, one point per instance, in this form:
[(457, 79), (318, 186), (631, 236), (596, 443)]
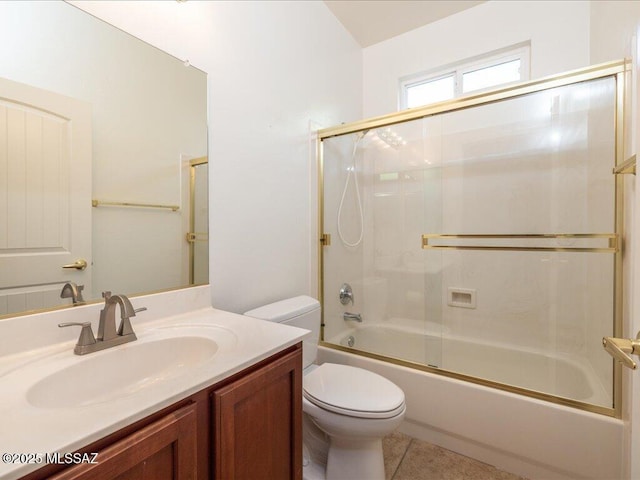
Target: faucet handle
[(125, 327), (346, 294), (79, 300), (86, 334)]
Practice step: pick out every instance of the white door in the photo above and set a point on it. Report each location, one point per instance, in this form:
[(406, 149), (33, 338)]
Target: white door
[(45, 195)]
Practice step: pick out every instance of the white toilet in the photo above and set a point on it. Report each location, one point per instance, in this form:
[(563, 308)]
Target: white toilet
[(351, 409)]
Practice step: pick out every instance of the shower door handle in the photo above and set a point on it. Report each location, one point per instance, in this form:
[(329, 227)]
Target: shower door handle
[(621, 349)]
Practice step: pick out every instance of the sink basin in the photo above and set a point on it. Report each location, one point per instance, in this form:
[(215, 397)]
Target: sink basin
[(121, 371)]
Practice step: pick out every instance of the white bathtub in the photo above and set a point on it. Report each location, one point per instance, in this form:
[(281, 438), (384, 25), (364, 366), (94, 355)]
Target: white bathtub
[(520, 434), (558, 375)]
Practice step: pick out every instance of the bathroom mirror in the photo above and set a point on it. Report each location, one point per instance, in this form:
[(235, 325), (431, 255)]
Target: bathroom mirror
[(99, 136)]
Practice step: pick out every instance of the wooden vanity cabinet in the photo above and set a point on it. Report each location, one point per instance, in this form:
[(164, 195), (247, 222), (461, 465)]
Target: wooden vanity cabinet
[(249, 426), (163, 450), (258, 423)]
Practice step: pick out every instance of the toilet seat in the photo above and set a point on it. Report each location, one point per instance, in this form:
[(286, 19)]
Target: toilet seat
[(353, 391)]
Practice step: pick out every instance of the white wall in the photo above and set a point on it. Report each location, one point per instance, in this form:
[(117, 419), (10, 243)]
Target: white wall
[(274, 69), (613, 26), (558, 32)]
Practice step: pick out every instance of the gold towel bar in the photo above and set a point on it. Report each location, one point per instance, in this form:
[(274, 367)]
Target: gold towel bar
[(193, 237), (612, 237), (628, 166), (97, 203)]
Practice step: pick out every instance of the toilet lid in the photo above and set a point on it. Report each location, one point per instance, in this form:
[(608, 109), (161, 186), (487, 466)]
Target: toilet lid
[(353, 391)]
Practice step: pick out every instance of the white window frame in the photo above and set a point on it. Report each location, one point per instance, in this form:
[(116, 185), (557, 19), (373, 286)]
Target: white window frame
[(518, 52)]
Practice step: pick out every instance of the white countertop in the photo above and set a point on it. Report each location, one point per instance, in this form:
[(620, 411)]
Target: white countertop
[(28, 429)]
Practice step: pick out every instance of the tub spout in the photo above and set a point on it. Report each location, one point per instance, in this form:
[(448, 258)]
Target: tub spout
[(352, 316)]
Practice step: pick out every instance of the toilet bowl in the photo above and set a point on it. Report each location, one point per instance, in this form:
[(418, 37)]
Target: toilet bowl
[(356, 409), (348, 410)]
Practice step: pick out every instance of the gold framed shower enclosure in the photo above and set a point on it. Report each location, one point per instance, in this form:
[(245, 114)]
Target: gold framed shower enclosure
[(601, 243), (193, 236)]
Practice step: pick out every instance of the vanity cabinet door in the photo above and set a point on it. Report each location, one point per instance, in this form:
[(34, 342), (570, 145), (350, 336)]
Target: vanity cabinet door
[(257, 423), (165, 449)]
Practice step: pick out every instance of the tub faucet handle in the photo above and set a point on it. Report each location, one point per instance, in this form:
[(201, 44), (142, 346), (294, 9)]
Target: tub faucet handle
[(346, 294)]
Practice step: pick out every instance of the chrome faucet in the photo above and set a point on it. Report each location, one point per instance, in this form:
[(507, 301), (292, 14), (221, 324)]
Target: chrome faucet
[(74, 292), (108, 336), (352, 316), (107, 326)]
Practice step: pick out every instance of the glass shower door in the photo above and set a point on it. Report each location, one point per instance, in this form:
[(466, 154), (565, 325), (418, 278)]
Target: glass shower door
[(527, 240), (481, 240), (378, 192)]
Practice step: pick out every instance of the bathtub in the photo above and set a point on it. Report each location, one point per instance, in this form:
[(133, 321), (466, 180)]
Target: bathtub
[(558, 375), (520, 434)]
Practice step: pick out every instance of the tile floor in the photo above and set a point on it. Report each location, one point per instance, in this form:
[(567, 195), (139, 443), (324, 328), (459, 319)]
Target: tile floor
[(406, 458)]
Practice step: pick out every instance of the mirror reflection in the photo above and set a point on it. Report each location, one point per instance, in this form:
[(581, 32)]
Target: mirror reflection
[(103, 161)]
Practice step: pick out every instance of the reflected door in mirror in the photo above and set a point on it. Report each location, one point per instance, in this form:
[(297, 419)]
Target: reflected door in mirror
[(45, 165)]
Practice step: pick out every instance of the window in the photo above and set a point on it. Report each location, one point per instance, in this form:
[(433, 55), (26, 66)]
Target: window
[(431, 91), (469, 76)]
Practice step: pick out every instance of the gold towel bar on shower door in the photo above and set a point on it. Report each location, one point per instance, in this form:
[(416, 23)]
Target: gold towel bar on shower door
[(612, 245), (628, 166), (97, 203)]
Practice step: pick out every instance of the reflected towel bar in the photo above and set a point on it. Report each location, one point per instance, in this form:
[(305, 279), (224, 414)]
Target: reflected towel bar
[(97, 203), (611, 248), (193, 237)]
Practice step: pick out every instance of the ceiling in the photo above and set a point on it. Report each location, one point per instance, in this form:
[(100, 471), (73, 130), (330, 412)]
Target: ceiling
[(372, 21)]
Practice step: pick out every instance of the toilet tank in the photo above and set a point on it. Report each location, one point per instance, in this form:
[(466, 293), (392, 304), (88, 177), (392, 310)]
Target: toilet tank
[(303, 312)]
